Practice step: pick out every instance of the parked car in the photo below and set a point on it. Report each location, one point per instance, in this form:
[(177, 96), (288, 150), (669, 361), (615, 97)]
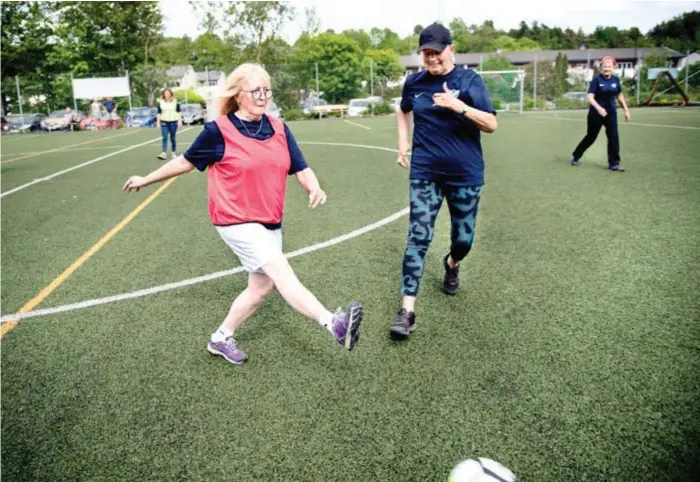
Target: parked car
[(98, 122), (58, 121), (24, 122), (193, 114), (142, 117), (4, 124), (358, 107), (308, 105)]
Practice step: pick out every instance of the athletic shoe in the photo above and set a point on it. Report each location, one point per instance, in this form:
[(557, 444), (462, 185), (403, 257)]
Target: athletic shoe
[(450, 284), (404, 325), (616, 167), (228, 348), (346, 325)]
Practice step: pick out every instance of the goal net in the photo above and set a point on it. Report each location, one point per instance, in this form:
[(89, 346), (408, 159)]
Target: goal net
[(506, 88)]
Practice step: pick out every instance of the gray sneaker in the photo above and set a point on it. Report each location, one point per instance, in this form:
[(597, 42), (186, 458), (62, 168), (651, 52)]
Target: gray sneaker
[(346, 325), (404, 325), (228, 348)]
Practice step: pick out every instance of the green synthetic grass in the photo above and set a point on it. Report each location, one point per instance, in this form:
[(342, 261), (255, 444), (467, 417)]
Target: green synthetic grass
[(572, 351)]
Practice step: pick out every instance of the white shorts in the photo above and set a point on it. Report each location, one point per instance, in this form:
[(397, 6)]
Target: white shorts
[(253, 243)]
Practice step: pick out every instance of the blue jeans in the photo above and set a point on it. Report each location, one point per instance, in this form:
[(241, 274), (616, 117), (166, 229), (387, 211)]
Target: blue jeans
[(165, 129)]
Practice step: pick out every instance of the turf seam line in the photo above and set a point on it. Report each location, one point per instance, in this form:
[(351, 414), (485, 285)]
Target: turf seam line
[(59, 173), (57, 149)]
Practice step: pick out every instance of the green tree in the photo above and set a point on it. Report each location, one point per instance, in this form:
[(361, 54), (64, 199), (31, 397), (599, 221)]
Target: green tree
[(680, 33), (258, 22), (339, 64), (546, 80), (25, 34), (362, 38), (385, 66), (561, 67), (496, 62)]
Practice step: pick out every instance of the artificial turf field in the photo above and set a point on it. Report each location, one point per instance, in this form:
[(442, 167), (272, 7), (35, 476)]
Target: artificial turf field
[(571, 353)]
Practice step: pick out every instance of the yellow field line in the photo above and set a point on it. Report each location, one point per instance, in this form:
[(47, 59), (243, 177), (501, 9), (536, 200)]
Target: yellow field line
[(356, 124), (67, 147), (41, 296)]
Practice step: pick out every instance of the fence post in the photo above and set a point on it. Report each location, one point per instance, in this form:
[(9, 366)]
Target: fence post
[(128, 82), (371, 81), (317, 92), (639, 78), (19, 96), (522, 89), (687, 69), (75, 101), (534, 83)]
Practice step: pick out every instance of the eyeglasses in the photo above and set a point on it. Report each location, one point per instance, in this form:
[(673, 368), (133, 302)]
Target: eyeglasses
[(258, 94)]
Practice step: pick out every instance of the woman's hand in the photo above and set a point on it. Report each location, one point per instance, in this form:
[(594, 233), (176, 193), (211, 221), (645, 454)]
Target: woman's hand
[(316, 197), (447, 100), (134, 183), (403, 154)]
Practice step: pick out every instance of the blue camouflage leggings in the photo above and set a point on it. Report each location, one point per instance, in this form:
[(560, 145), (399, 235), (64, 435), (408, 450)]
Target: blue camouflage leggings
[(426, 200)]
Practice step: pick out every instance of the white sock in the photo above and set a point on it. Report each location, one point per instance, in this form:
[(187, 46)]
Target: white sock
[(327, 320), (221, 334)]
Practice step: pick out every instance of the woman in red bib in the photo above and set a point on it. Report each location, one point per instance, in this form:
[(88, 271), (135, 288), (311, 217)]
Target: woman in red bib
[(248, 156)]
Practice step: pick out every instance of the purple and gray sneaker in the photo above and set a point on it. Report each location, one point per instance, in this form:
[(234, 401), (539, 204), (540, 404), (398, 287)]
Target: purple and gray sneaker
[(346, 325), (227, 348)]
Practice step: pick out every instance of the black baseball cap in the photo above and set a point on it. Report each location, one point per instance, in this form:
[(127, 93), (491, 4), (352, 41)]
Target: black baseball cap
[(434, 37)]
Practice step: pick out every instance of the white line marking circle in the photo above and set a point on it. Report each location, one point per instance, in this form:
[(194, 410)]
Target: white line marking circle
[(218, 274)]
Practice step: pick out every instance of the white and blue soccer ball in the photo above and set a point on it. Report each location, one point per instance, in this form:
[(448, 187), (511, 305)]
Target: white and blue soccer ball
[(480, 470)]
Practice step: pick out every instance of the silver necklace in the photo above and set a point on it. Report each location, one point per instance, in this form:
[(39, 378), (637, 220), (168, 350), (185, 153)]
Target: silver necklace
[(262, 121)]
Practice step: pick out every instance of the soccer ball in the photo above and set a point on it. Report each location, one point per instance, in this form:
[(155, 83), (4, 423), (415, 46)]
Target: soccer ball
[(480, 470)]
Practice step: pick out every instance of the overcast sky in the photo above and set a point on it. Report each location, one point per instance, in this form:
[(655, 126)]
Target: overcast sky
[(401, 16)]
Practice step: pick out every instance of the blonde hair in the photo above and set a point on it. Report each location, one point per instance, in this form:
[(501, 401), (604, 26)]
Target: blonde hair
[(235, 83)]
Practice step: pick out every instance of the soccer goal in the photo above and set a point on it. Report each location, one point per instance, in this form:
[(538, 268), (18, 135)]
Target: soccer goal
[(506, 89)]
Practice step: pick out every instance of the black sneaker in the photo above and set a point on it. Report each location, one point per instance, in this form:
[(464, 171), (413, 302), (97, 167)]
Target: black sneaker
[(450, 285), (616, 168), (404, 325)]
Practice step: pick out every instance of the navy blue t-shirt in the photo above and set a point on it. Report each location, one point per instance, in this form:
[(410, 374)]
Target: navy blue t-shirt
[(606, 92), (109, 105), (209, 146), (446, 145)]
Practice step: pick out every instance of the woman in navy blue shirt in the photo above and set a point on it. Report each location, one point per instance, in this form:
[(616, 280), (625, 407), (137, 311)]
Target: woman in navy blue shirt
[(603, 90), (450, 108)]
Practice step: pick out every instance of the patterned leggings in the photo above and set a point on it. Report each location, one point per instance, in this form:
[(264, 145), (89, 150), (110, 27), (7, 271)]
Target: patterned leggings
[(426, 200)]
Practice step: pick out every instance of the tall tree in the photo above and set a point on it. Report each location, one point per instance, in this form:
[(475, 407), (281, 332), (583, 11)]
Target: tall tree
[(339, 65), (385, 67)]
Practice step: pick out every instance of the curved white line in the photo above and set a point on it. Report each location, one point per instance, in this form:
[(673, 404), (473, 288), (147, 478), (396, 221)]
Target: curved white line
[(199, 279), (218, 274)]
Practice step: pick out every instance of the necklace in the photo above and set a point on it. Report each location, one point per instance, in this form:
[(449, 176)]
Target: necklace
[(262, 121)]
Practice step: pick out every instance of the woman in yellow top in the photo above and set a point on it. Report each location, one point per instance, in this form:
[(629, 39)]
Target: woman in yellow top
[(168, 120)]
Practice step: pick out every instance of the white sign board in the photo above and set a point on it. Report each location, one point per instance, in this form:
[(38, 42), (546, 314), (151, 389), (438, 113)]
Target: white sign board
[(655, 72), (101, 87)]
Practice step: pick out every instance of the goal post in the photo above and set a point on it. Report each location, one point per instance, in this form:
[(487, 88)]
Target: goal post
[(506, 89)]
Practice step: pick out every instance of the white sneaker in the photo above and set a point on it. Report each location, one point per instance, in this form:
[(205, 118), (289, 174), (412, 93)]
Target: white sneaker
[(162, 156), (174, 155)]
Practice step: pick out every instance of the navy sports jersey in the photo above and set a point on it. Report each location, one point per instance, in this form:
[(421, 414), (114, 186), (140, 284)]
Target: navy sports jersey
[(446, 145), (606, 92), (209, 146)]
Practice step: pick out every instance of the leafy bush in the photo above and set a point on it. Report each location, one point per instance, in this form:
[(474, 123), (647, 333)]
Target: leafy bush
[(383, 109), (293, 114)]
